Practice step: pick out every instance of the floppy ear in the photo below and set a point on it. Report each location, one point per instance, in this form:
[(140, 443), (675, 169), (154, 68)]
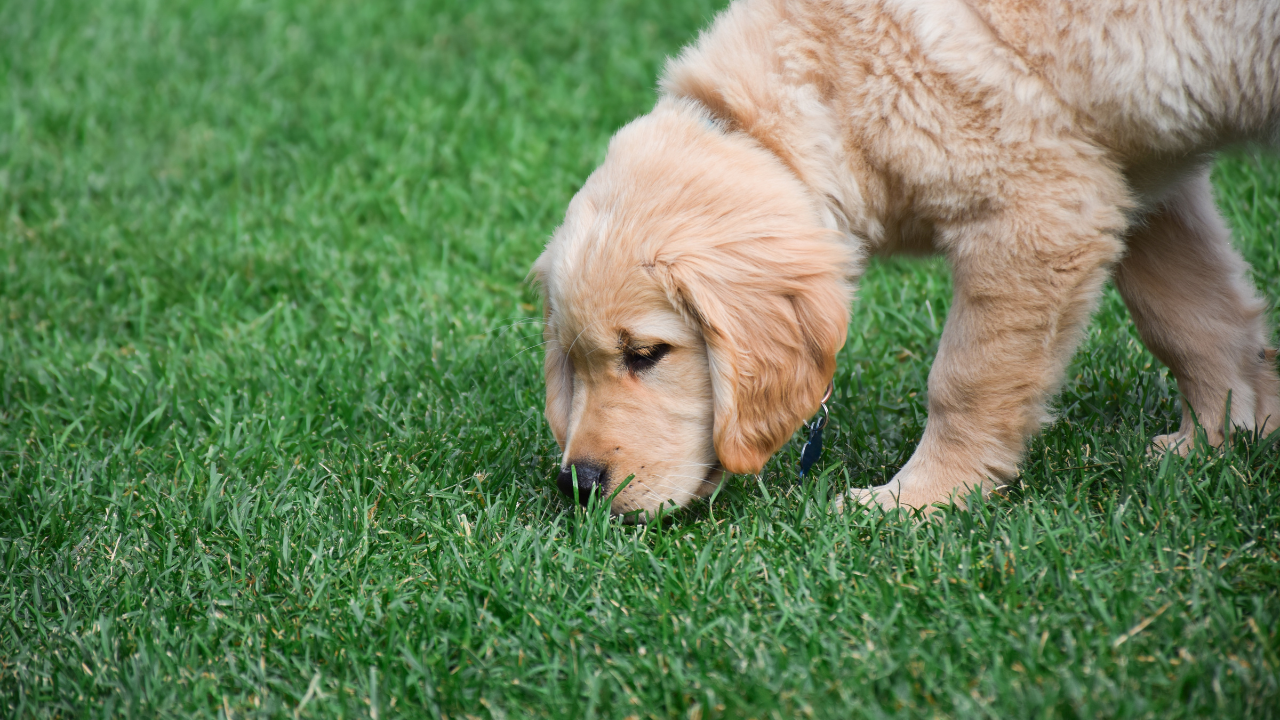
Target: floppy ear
[(559, 373), (774, 313), (557, 367)]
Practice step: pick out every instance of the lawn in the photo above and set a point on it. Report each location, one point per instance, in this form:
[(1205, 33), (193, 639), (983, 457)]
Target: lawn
[(271, 435)]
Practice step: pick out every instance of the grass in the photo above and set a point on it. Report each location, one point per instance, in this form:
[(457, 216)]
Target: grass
[(270, 416)]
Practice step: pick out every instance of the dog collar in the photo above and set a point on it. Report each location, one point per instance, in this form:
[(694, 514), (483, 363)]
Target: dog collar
[(813, 447)]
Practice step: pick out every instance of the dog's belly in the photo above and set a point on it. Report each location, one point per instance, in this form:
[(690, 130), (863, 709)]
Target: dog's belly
[(1155, 180), (910, 234)]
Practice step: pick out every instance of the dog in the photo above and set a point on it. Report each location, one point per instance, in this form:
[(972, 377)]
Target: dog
[(699, 289)]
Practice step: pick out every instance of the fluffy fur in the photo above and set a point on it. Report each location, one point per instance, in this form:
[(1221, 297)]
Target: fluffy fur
[(1040, 146)]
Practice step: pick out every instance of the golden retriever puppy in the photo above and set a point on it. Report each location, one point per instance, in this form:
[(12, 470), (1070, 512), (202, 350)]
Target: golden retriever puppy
[(699, 289)]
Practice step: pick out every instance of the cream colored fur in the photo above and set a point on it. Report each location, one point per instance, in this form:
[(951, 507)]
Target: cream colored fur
[(1039, 146)]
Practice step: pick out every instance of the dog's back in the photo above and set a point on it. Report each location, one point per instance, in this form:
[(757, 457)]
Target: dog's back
[(1152, 76), (1149, 81)]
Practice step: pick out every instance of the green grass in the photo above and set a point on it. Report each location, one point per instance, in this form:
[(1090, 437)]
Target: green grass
[(270, 416)]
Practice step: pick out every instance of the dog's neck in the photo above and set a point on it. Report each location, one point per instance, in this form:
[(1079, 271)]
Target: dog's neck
[(811, 150), (787, 114)]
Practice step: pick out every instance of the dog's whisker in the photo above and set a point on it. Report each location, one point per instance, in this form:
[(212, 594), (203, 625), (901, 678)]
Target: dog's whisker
[(579, 336), (525, 321), (527, 349)]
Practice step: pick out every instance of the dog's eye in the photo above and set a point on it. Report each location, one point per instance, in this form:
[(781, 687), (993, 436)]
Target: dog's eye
[(641, 359)]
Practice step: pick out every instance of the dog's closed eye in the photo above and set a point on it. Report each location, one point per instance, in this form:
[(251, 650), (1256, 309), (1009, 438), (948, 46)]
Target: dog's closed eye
[(639, 359)]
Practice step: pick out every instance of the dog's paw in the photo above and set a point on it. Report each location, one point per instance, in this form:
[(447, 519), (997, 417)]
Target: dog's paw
[(1183, 441), (861, 496), (889, 496), (1179, 443)]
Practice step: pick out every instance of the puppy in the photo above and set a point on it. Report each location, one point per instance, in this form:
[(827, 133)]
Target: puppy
[(700, 286)]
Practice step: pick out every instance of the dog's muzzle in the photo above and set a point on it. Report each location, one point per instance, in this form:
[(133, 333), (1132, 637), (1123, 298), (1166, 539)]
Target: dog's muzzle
[(592, 479)]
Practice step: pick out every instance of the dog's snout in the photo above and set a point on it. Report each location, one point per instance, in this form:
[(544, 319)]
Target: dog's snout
[(591, 476)]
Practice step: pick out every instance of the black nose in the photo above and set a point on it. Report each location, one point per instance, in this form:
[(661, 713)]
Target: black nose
[(591, 476)]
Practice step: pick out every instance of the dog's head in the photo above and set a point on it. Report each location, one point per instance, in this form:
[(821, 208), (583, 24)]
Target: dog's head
[(694, 304)]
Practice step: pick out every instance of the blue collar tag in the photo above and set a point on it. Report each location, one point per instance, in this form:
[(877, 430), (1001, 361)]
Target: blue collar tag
[(812, 449)]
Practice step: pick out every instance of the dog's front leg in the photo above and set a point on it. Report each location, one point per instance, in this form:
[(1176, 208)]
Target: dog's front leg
[(1024, 290)]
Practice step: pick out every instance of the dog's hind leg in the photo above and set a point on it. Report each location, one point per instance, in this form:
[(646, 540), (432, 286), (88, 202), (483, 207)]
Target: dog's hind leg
[(1197, 311)]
